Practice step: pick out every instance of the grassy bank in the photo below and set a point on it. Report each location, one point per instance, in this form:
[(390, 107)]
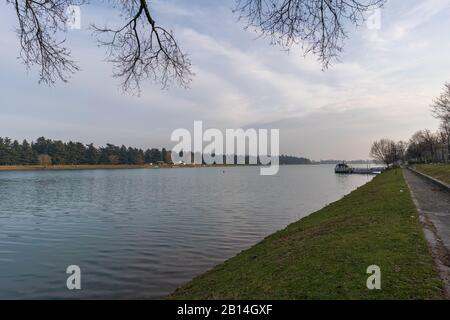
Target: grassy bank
[(326, 255), (74, 167), (438, 171)]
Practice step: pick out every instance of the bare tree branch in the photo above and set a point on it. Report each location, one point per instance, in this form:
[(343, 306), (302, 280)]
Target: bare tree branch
[(441, 105), (40, 25), (317, 25), (388, 151), (141, 49)]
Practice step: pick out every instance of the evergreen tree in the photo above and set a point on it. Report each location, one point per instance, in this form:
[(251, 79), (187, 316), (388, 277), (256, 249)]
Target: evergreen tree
[(14, 153), (163, 155), (42, 146), (57, 152), (6, 152), (124, 155), (27, 155), (92, 155), (155, 155)]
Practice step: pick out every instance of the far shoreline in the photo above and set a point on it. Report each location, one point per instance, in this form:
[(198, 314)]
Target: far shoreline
[(122, 166), (95, 167)]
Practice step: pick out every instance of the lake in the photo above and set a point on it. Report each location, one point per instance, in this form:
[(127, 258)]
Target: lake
[(139, 234)]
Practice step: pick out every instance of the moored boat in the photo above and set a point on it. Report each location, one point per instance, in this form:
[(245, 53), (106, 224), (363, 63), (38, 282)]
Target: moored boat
[(343, 168)]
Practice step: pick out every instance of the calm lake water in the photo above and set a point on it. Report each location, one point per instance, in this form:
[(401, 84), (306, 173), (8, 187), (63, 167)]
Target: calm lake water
[(142, 233)]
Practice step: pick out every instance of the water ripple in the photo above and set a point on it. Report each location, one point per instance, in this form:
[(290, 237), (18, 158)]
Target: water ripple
[(142, 233)]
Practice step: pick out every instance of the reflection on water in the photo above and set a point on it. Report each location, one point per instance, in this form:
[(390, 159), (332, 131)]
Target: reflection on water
[(142, 233)]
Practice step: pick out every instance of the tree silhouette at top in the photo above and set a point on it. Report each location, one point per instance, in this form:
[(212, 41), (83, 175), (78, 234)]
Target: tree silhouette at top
[(142, 49)]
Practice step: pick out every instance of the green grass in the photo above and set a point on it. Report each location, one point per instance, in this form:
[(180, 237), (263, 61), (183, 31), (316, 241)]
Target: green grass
[(326, 255), (438, 171)]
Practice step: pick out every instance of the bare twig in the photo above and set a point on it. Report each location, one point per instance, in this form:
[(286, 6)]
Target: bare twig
[(317, 25), (141, 49), (441, 105), (40, 24)]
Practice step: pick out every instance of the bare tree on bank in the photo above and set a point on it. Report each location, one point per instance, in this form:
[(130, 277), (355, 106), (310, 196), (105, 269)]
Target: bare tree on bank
[(142, 49), (385, 150), (425, 146), (441, 111), (445, 137), (382, 151), (441, 105)]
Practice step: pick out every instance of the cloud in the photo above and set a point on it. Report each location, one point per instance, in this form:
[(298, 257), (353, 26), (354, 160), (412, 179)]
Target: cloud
[(377, 90), (401, 21), (176, 9)]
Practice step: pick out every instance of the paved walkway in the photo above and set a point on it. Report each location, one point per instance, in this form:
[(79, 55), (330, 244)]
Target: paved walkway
[(433, 204)]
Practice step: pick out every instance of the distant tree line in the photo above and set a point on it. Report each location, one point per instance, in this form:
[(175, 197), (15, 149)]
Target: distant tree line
[(54, 152), (334, 161), (424, 146), (248, 160), (284, 159)]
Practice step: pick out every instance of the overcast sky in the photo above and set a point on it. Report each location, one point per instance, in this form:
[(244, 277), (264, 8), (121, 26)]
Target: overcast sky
[(382, 87)]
